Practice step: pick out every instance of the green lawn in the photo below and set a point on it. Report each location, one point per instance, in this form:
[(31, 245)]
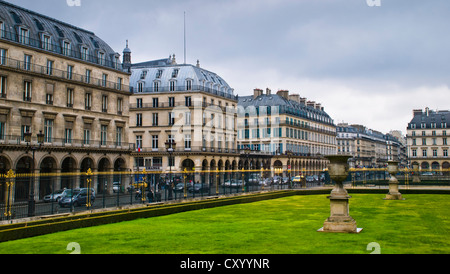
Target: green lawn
[(419, 224)]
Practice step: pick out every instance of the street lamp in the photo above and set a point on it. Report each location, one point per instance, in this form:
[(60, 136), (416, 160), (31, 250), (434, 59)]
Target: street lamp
[(31, 200), (289, 154), (247, 151), (170, 147)]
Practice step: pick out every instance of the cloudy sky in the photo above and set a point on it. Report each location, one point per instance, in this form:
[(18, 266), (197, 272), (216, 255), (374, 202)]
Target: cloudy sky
[(366, 64)]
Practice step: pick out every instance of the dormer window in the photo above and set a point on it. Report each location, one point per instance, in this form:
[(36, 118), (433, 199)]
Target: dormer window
[(2, 30), (101, 58), (143, 74), (140, 86), (24, 36), (66, 48), (175, 73), (159, 73), (84, 53), (188, 84), (46, 42)]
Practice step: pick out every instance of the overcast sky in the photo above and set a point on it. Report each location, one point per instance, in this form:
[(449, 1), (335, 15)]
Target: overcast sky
[(369, 65)]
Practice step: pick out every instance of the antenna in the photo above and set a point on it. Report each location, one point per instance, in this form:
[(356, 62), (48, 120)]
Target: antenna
[(185, 38)]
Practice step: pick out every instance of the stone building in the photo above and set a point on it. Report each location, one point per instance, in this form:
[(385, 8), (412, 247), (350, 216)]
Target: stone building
[(189, 106), (427, 140), (67, 84), (369, 148), (285, 131)]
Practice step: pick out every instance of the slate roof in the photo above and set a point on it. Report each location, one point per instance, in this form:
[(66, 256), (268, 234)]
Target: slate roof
[(14, 17), (431, 119)]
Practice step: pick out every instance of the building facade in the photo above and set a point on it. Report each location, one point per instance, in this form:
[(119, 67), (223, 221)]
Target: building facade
[(186, 105), (427, 140), (369, 148), (285, 132), (64, 83)]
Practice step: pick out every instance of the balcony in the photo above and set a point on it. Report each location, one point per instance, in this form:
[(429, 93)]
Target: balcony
[(60, 74), (63, 143)]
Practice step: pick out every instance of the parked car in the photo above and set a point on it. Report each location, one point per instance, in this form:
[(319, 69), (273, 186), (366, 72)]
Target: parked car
[(197, 188), (78, 198), (117, 187), (54, 197), (233, 183), (297, 179)]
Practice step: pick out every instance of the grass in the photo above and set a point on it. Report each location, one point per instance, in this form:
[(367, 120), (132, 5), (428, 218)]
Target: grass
[(418, 225)]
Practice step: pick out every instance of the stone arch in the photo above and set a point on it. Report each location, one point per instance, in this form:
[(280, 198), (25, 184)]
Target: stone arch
[(48, 168)]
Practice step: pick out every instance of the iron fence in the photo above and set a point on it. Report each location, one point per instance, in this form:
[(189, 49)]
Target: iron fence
[(75, 192)]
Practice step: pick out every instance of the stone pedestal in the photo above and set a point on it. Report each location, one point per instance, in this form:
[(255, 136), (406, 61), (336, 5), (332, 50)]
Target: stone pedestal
[(393, 194), (340, 220)]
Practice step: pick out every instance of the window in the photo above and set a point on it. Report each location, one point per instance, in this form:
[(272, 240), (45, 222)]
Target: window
[(188, 101), (69, 72), (101, 58), (171, 118), (69, 97), (445, 152), (139, 103), (119, 106), (424, 141), (435, 153), (104, 103), (49, 99), (104, 79), (27, 62), (444, 141), (103, 135), (66, 48), (155, 102), (155, 86), (155, 119), (24, 36), (48, 130), (119, 83), (68, 136), (3, 86), (171, 101), (50, 67), (175, 73), (140, 87), (88, 101), (25, 129), (119, 131), (46, 42), (84, 53), (2, 130), (187, 116), (139, 120), (188, 84), (187, 141), (159, 73), (154, 141), (414, 152), (87, 137), (139, 142), (424, 152), (88, 76), (3, 56), (172, 85), (27, 92)]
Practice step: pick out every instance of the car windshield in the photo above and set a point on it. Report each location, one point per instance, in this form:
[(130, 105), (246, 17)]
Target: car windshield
[(70, 193)]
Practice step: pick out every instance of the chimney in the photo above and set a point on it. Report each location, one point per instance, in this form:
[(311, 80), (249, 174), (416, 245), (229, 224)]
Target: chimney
[(303, 101), (257, 92), (417, 112), (311, 103), (284, 94), (295, 98), (268, 91), (427, 111), (319, 106)]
